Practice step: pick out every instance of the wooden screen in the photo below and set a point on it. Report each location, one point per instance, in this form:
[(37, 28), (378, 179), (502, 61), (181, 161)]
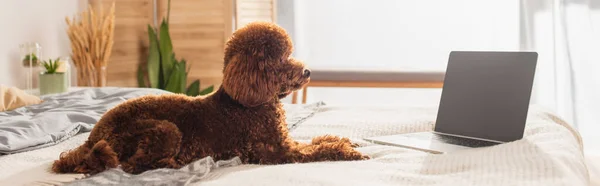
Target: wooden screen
[(199, 30), (130, 40), (255, 10)]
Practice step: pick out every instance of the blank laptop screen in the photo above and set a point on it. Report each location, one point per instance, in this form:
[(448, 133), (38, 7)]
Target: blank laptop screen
[(486, 94)]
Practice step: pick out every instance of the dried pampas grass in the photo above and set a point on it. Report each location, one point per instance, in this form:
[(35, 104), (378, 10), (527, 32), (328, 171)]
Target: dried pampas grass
[(91, 43)]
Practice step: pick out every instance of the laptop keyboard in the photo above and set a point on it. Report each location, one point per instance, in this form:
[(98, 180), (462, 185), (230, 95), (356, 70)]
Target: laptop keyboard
[(462, 141)]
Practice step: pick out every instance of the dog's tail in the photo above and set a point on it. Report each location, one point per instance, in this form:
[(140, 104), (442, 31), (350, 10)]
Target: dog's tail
[(88, 158)]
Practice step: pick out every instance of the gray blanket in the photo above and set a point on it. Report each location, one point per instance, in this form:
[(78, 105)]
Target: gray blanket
[(61, 116), (189, 174)]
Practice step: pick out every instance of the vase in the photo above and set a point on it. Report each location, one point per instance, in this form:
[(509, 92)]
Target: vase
[(86, 76), (91, 76), (53, 83), (30, 58)]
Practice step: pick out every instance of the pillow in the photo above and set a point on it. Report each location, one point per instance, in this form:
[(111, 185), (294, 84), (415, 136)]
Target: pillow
[(12, 98)]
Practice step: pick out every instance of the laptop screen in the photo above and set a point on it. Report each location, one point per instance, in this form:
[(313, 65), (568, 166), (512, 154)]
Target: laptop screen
[(486, 94)]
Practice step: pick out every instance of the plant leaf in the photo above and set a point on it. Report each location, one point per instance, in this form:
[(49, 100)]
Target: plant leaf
[(187, 71), (166, 51), (207, 90), (194, 88), (55, 65), (174, 83), (183, 78), (153, 59), (186, 67), (46, 65), (182, 65), (50, 66)]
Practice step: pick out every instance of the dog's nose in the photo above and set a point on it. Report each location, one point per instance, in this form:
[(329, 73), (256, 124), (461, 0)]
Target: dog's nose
[(306, 73)]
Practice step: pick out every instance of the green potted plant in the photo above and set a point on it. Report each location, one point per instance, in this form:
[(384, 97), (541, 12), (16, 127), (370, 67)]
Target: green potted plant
[(51, 81), (163, 70), (30, 60)]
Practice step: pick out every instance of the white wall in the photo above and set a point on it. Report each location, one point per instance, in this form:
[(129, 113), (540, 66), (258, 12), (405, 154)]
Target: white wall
[(595, 8), (401, 35), (41, 21)]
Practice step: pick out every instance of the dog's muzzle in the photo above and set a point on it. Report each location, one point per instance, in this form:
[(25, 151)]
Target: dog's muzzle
[(306, 73)]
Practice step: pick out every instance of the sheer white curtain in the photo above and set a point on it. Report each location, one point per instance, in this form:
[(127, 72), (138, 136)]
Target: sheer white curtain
[(566, 35)]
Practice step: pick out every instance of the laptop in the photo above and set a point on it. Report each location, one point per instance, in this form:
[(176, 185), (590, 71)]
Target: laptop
[(484, 102)]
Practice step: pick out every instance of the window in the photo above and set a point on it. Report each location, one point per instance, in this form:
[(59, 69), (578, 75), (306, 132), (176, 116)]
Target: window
[(401, 35), (394, 35)]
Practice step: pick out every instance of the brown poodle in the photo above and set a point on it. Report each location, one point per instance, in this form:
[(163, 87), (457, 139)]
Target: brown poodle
[(244, 117)]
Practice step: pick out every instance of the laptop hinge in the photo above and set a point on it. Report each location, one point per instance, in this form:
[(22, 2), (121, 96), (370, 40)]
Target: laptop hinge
[(460, 136)]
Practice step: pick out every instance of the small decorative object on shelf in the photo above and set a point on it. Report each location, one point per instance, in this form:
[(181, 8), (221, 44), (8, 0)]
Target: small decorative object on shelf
[(65, 67), (91, 38), (30, 60), (52, 81), (30, 53)]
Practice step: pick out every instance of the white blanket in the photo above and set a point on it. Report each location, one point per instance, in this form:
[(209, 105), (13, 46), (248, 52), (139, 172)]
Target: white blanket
[(549, 154)]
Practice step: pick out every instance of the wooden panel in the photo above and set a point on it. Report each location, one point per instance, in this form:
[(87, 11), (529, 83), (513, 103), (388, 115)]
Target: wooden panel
[(248, 11), (199, 30), (130, 42)]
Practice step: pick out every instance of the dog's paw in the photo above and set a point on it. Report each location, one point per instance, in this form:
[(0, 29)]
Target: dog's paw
[(365, 157), (332, 139), (358, 156), (132, 168), (127, 167), (355, 155), (168, 163)]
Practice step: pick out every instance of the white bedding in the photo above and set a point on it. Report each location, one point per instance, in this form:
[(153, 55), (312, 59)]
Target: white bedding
[(549, 154)]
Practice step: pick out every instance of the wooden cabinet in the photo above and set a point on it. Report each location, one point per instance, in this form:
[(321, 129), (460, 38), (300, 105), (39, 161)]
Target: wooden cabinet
[(199, 30)]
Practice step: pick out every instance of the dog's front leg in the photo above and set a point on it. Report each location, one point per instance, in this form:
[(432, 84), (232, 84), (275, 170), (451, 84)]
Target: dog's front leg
[(328, 148)]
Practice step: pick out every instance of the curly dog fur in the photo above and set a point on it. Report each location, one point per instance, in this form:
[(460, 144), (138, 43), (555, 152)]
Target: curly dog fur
[(244, 117)]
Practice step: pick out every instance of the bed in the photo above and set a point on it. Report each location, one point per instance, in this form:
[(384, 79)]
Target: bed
[(549, 154)]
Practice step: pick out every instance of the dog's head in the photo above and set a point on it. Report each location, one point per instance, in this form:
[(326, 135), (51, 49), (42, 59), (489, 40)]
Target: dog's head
[(258, 67)]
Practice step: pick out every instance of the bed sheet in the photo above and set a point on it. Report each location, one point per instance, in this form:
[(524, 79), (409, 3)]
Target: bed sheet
[(549, 154)]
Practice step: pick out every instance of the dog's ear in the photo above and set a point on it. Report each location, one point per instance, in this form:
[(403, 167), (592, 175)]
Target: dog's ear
[(250, 82)]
